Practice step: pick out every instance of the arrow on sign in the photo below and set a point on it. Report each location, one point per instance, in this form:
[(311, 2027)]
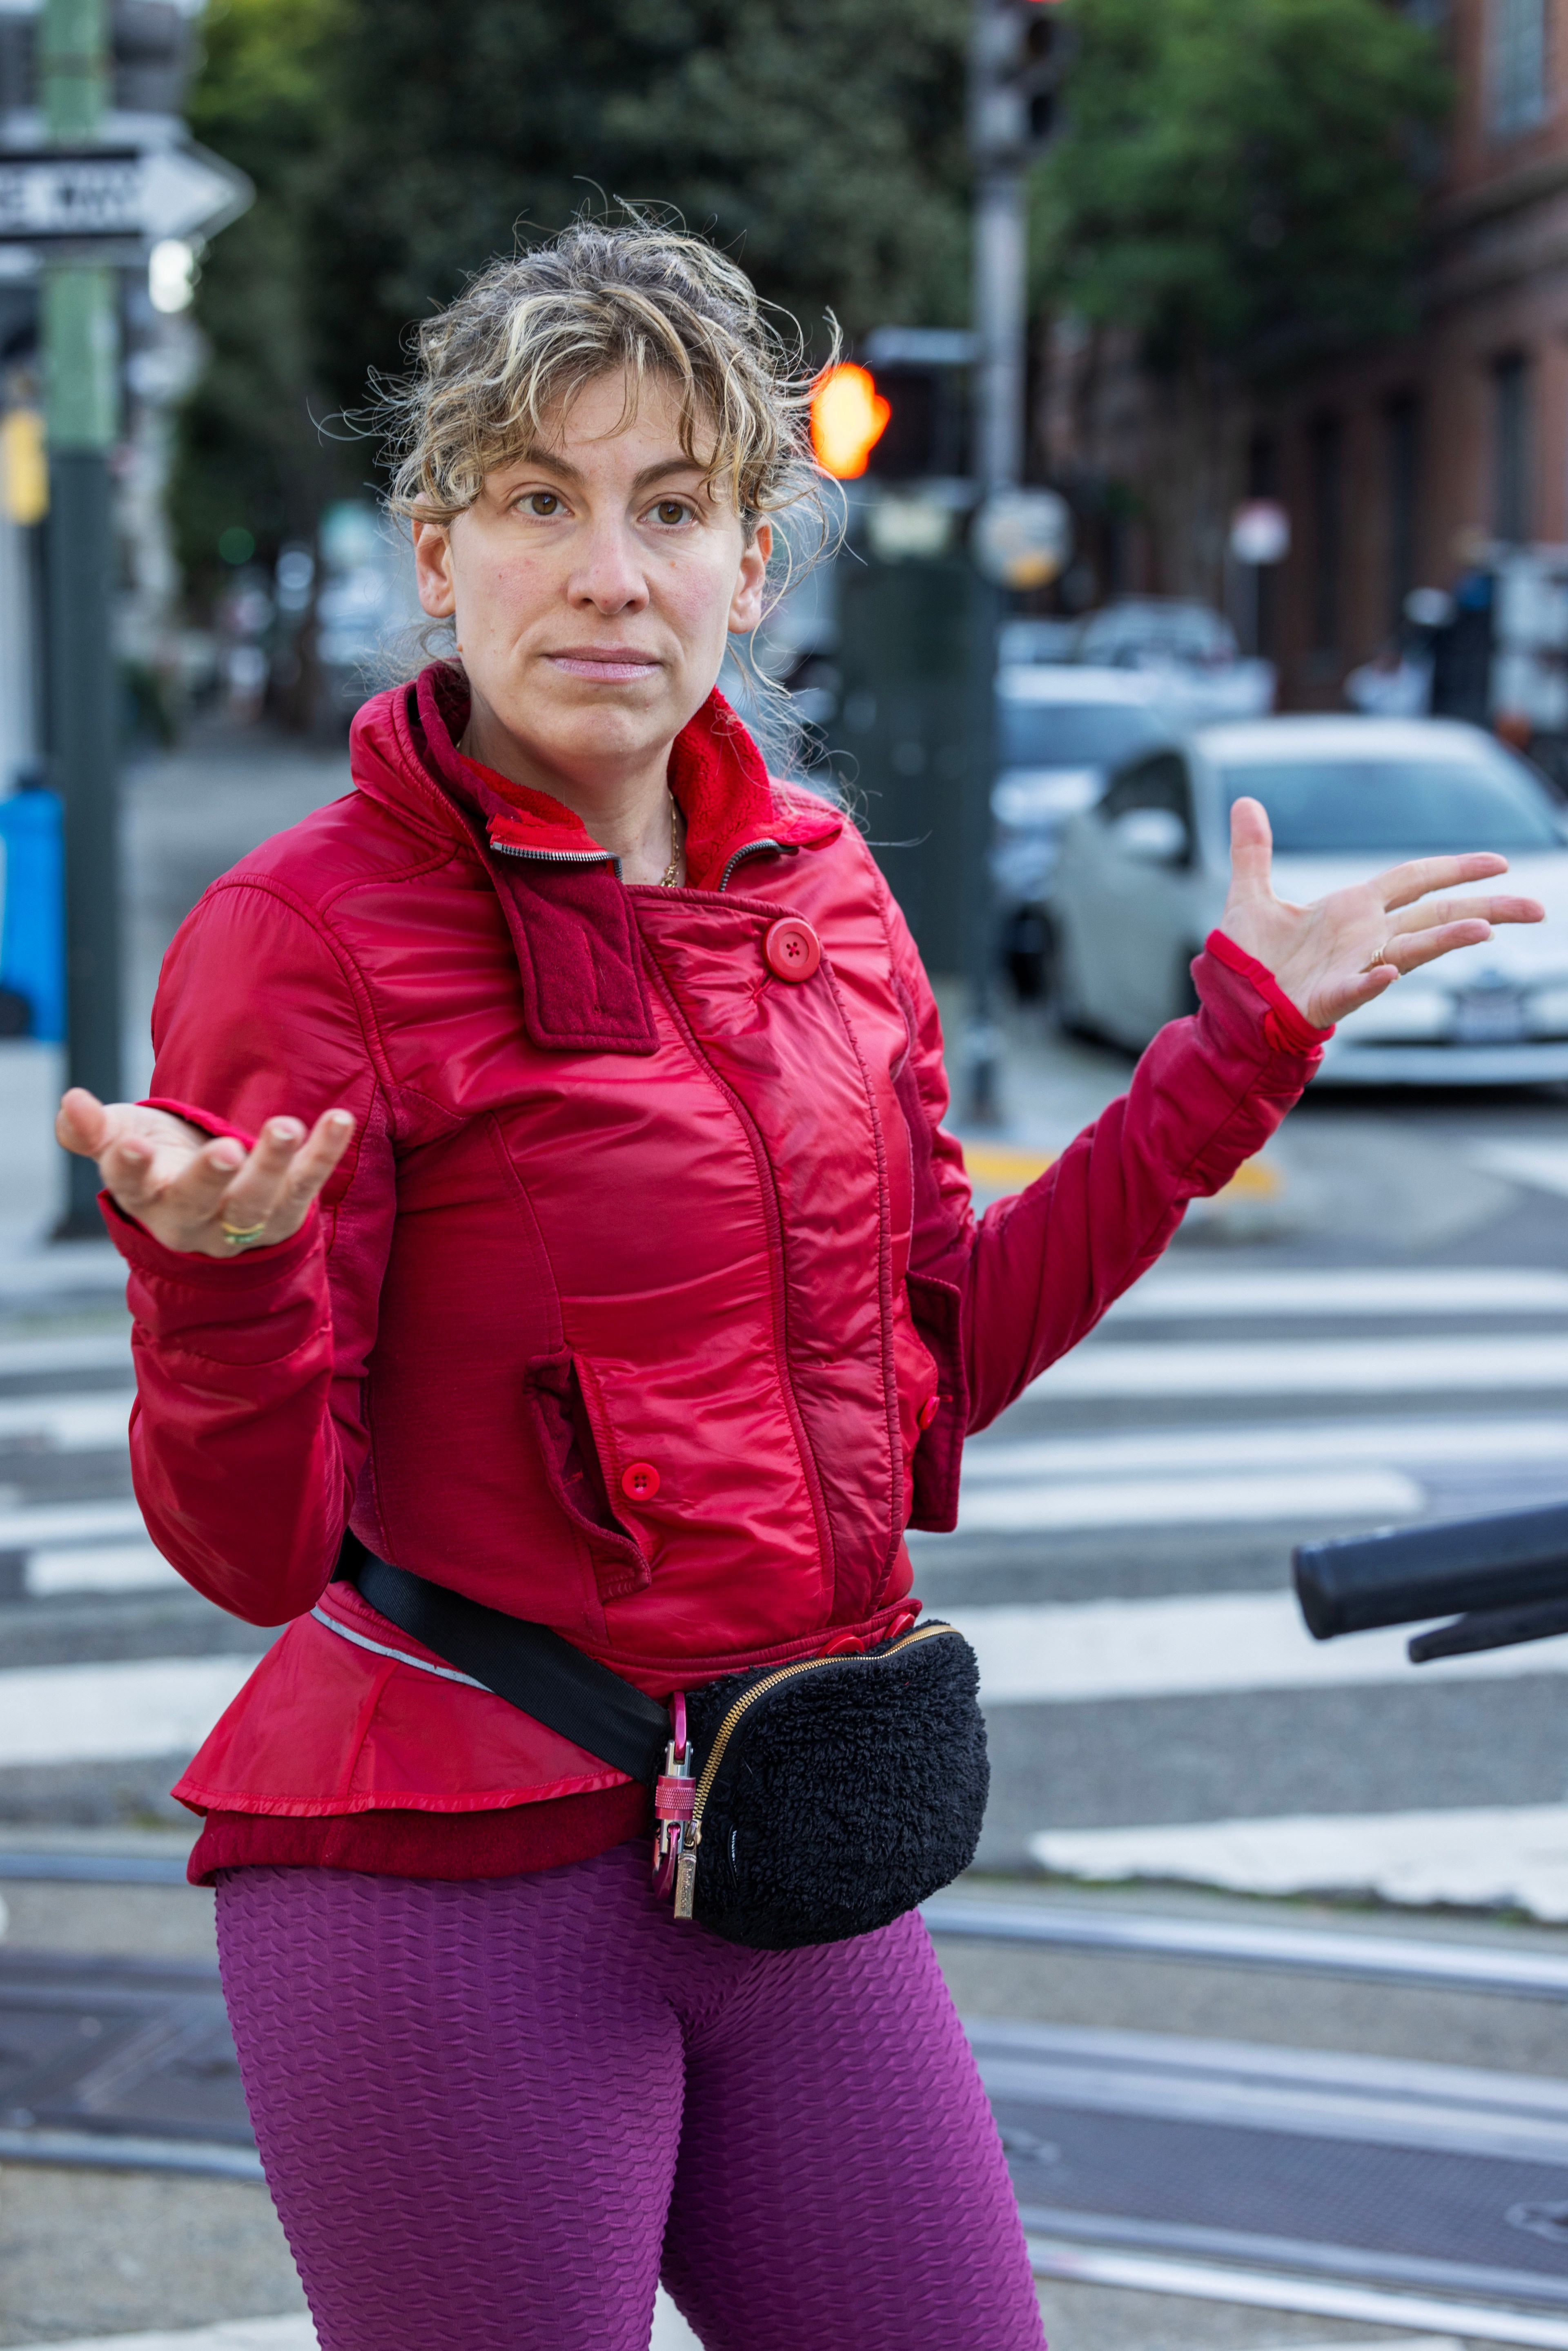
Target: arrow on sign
[(59, 193)]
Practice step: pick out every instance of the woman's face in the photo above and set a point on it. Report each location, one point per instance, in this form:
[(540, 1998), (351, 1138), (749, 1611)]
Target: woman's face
[(593, 583)]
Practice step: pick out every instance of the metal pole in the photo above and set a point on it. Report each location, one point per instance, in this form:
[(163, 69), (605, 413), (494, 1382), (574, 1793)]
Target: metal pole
[(1001, 254), (1001, 257), (81, 371)]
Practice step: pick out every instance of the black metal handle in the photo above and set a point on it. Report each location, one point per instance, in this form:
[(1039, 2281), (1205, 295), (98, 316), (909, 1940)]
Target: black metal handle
[(1402, 1575)]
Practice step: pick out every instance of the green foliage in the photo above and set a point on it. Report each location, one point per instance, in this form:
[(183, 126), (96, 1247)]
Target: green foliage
[(249, 453), (821, 140), (1239, 177), (398, 145)]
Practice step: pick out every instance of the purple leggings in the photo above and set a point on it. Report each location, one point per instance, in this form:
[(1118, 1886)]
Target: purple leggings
[(494, 2113)]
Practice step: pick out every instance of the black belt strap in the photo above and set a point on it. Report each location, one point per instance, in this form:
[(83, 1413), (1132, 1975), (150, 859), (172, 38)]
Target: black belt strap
[(531, 1668)]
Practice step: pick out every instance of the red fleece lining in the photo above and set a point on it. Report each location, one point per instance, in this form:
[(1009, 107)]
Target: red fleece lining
[(1285, 1025), (717, 774)]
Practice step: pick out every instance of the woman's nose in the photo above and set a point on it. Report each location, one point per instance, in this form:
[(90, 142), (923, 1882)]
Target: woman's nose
[(609, 576)]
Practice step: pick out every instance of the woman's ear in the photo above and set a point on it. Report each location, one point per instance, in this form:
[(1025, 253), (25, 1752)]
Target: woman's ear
[(433, 569), (746, 604)]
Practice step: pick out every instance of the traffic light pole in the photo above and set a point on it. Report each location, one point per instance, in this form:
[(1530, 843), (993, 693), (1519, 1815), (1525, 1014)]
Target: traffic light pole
[(81, 370), (1001, 254)]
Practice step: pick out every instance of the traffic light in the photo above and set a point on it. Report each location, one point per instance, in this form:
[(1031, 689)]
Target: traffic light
[(902, 414), (1020, 55), (848, 417)]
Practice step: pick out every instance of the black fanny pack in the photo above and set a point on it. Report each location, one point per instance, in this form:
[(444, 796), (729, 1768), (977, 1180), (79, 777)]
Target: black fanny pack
[(797, 1803)]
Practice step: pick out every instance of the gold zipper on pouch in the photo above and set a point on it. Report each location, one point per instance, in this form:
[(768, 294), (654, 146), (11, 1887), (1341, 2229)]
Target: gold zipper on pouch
[(686, 1874)]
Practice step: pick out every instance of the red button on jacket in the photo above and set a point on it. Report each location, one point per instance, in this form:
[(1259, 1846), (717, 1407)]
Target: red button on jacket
[(640, 1481), (927, 1411), (791, 949)]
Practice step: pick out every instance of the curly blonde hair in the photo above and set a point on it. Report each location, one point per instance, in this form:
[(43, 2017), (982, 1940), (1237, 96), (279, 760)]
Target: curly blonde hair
[(636, 294)]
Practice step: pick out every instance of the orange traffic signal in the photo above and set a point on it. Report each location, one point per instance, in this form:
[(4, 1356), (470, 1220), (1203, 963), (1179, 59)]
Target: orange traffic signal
[(848, 417)]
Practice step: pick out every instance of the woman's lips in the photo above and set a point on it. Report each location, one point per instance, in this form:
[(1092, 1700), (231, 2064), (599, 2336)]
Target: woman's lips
[(605, 668)]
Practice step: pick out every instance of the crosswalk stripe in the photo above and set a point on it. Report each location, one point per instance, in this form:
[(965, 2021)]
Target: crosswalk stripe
[(106, 1713), (1290, 1444), (1059, 1508), (1483, 1857), (1179, 1292), (97, 1567), (46, 1523), (1200, 1645), (1307, 1367), (1544, 1165), (89, 1423), (42, 1358)]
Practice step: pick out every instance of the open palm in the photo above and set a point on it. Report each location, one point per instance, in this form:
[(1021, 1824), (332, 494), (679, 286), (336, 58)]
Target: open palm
[(1345, 949), (201, 1196)]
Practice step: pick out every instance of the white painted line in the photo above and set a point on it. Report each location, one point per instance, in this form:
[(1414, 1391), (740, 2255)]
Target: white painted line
[(89, 1423), (94, 1714), (1188, 1501), (1542, 1166), (109, 1352), (1170, 1293), (1307, 1367), (1288, 1444), (237, 2334), (1514, 1856), (1200, 1645), (1269, 2290), (103, 1567), (46, 1523)]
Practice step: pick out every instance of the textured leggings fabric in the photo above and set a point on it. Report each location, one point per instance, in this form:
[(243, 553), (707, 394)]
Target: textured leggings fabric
[(494, 2112)]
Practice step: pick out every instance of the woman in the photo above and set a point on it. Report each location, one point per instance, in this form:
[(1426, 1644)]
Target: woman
[(623, 1277)]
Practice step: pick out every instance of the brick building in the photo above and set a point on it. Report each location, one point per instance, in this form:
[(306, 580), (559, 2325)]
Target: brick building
[(1398, 463)]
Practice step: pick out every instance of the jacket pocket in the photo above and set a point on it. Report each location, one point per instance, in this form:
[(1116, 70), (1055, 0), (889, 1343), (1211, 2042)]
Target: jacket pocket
[(936, 1309), (564, 1431)]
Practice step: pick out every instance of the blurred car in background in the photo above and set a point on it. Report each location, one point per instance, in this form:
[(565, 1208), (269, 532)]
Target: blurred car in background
[(1059, 733), (1191, 649), (1141, 878)]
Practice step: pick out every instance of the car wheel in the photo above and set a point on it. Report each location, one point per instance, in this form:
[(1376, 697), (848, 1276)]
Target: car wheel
[(1026, 951)]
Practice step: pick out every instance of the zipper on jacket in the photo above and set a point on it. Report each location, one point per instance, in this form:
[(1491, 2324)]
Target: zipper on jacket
[(686, 1875), (755, 848), (557, 856)]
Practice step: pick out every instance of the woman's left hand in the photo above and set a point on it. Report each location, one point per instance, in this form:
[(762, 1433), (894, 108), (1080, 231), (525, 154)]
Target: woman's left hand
[(1343, 950)]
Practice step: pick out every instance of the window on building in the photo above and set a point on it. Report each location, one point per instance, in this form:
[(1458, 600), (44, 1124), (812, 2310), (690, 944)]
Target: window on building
[(1516, 66), (1510, 448), (1402, 425), (1325, 460)]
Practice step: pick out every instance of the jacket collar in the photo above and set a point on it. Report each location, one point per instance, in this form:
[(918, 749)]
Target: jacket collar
[(717, 775), (572, 925)]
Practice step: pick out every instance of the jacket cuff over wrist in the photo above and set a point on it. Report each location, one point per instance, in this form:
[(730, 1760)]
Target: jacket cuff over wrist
[(1285, 1025)]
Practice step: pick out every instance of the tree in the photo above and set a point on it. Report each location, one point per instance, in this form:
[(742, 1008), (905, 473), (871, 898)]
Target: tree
[(1240, 177), (1239, 190), (398, 145), (820, 139), (249, 453)]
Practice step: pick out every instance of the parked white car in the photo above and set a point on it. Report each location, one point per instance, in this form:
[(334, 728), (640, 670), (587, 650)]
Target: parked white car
[(1141, 879), (1060, 731)]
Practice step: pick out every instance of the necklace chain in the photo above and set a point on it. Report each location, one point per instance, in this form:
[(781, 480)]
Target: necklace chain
[(670, 878)]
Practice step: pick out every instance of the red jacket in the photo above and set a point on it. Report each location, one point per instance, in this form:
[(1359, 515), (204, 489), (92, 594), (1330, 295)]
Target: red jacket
[(648, 1301)]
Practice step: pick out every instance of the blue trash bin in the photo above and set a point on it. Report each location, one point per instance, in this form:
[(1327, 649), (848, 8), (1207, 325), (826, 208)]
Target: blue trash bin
[(33, 914)]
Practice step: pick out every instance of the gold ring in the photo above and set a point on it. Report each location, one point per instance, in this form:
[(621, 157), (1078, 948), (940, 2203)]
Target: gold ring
[(243, 1236)]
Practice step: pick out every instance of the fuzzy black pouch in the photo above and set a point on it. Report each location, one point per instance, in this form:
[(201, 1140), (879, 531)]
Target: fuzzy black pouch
[(834, 1795)]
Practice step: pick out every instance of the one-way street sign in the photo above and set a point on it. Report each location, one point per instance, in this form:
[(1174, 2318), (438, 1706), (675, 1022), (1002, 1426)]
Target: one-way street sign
[(55, 195)]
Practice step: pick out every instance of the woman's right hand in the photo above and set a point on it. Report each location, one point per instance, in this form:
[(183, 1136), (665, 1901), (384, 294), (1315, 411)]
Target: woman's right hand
[(195, 1194)]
